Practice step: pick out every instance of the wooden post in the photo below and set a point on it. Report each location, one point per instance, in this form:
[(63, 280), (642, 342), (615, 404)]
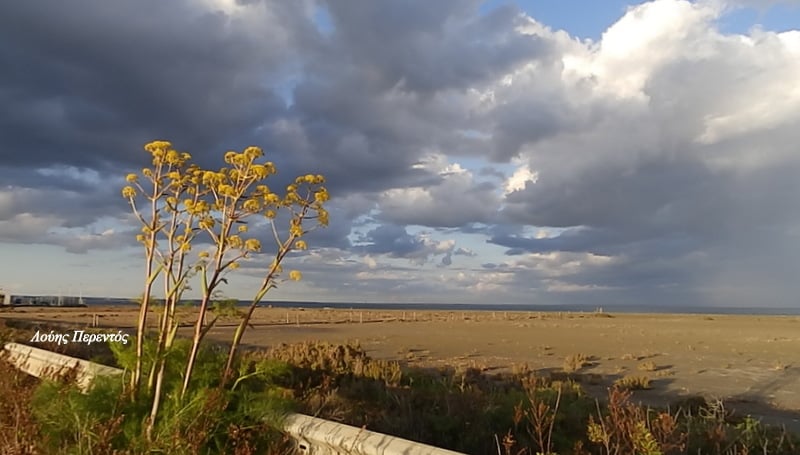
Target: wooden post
[(297, 319), (361, 317)]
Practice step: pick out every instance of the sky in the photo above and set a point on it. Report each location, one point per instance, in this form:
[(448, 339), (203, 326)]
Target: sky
[(537, 152)]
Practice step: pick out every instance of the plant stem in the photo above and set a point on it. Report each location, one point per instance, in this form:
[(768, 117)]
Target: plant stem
[(266, 285)]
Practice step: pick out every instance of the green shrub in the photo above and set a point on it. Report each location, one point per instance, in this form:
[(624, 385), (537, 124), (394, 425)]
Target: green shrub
[(209, 419)]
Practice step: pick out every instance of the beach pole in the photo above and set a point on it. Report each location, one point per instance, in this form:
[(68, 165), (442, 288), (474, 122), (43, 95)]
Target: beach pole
[(361, 317), (297, 320), (287, 317)]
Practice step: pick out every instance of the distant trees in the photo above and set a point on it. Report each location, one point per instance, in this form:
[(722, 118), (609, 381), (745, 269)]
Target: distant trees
[(179, 205)]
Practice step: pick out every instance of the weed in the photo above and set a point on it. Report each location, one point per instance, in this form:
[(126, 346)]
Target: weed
[(633, 383), (627, 428), (575, 362), (462, 409), (648, 366), (19, 431)]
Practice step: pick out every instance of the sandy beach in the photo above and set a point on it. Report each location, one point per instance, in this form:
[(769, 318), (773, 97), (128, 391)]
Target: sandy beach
[(752, 362)]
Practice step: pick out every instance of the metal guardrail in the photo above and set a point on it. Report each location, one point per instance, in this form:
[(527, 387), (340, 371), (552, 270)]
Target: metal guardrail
[(313, 436)]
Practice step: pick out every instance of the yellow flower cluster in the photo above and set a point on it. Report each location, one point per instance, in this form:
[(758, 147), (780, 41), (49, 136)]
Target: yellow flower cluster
[(215, 200), (163, 154), (321, 195), (322, 217), (252, 245), (128, 192), (310, 179), (235, 241)]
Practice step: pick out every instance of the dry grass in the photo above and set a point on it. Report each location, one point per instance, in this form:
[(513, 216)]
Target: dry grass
[(633, 383), (648, 366), (456, 408), (575, 362), (19, 432)]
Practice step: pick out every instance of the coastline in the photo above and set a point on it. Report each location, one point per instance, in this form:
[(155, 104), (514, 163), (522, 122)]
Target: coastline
[(94, 302)]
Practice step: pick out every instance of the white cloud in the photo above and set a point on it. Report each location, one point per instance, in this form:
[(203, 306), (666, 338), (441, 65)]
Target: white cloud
[(521, 176), (453, 201), (560, 263)]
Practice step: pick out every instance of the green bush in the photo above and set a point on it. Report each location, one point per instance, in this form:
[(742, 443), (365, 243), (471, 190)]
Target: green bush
[(209, 420)]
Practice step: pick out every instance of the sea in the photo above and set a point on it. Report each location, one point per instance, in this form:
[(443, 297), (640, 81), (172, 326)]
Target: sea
[(633, 309)]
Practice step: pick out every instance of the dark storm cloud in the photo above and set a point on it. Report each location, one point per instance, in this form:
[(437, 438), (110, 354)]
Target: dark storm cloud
[(422, 45), (659, 197), (88, 82), (85, 84), (389, 84)]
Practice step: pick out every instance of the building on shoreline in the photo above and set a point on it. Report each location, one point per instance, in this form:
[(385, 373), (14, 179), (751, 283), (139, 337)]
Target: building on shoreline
[(8, 299)]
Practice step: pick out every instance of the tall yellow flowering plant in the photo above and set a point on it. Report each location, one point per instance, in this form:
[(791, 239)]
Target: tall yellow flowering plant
[(184, 205)]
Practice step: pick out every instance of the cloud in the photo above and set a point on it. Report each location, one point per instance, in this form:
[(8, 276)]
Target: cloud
[(657, 163), (27, 228), (395, 241), (177, 70), (429, 42), (691, 160), (456, 199)]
